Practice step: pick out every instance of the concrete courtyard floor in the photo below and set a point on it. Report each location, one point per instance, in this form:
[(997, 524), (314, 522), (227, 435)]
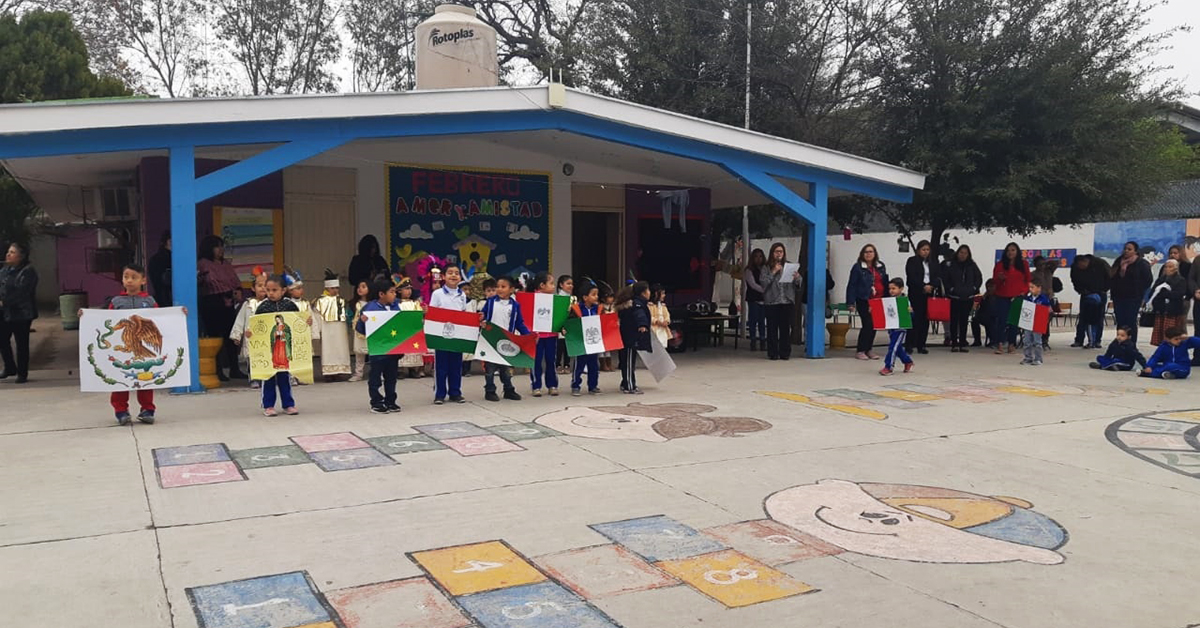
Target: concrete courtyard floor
[(973, 492)]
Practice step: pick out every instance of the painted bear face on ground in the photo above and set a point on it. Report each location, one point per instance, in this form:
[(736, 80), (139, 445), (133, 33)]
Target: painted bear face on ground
[(654, 423), (919, 523)]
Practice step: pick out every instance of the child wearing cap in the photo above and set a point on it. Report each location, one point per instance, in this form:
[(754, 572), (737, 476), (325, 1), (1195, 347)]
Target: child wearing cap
[(330, 309)]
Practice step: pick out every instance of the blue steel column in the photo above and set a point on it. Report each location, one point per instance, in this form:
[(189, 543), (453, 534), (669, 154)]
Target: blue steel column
[(814, 285), (183, 250)]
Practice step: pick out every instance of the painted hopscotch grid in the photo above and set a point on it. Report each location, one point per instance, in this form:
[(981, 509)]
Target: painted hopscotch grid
[(214, 463), (490, 584)]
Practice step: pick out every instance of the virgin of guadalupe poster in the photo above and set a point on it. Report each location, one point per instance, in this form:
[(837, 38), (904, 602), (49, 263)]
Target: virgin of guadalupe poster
[(280, 342), (133, 349)]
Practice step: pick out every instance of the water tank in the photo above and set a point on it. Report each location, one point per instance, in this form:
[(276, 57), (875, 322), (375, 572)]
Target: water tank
[(455, 49)]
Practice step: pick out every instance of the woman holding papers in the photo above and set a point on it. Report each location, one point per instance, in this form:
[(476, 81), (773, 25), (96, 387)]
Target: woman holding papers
[(779, 279)]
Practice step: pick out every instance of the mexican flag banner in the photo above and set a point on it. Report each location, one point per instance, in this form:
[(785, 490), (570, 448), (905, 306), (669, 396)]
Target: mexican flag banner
[(1029, 315), (498, 346), (394, 333), (451, 330), (544, 312), (593, 334), (891, 313)]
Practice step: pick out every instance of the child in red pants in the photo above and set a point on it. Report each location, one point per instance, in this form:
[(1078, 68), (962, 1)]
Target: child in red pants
[(133, 279)]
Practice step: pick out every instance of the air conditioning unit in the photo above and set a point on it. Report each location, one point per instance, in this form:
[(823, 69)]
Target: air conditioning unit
[(110, 204)]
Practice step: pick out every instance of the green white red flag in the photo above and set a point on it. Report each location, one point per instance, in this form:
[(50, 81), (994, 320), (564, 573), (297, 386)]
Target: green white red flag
[(589, 335), (544, 313), (451, 330), (498, 346), (395, 333), (891, 313), (1029, 315)]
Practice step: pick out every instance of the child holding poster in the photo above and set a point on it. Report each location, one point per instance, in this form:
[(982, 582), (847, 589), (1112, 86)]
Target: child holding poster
[(1033, 339), (547, 347), (502, 310), (448, 364), (896, 337), (384, 368), (134, 297), (280, 343), (588, 305)]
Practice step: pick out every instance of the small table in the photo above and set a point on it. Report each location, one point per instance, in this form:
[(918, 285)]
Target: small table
[(713, 325)]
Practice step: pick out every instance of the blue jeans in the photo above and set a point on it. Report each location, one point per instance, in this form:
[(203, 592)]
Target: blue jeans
[(1004, 333), (282, 380), (756, 320), (591, 363), (1033, 346), (1126, 313), (1090, 328), (385, 369), (543, 363), (448, 365)]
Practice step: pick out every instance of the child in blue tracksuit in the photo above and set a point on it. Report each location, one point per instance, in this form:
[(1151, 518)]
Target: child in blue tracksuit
[(1032, 339), (385, 369), (588, 305), (896, 337), (448, 364), (1171, 360), (502, 311), (1122, 354), (547, 347), (634, 312)]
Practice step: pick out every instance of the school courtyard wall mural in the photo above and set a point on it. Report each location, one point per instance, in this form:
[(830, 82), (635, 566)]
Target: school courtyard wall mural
[(493, 221)]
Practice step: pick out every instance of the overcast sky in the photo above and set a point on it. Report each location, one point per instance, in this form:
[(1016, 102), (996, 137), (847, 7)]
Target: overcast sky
[(1185, 55)]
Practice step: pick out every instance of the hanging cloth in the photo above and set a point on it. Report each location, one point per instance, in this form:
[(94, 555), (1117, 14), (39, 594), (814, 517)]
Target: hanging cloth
[(672, 199)]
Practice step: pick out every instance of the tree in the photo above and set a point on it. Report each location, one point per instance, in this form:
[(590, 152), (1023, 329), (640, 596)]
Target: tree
[(163, 35), (383, 54), (42, 57), (542, 35), (1025, 114), (97, 24), (284, 46)]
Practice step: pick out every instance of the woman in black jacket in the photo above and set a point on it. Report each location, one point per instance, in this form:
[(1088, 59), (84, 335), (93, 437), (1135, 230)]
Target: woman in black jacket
[(868, 280), (368, 264), (1169, 299), (963, 281), (1130, 280), (922, 275), (18, 309)]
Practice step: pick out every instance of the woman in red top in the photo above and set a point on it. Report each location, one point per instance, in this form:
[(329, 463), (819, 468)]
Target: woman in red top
[(1011, 278)]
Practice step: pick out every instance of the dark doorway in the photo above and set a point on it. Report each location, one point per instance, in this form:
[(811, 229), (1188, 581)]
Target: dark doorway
[(596, 246)]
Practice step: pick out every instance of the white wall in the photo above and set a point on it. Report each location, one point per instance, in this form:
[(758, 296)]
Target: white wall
[(983, 245)]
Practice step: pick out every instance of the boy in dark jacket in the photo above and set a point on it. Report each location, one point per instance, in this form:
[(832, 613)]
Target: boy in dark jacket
[(1171, 360), (385, 369), (134, 297), (635, 332), (502, 311), (1122, 354)]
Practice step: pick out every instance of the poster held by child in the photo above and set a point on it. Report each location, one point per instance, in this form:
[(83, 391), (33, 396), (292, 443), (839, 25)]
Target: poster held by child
[(280, 341)]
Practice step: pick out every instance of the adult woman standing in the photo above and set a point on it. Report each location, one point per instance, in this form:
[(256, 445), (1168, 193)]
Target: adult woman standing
[(159, 267), (756, 317), (1011, 276), (963, 282), (1131, 278), (868, 279), (922, 275), (1176, 253), (218, 280), (18, 288), (1168, 296), (779, 294), (368, 264)]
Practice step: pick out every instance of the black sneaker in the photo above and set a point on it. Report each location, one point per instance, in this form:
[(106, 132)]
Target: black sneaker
[(123, 418), (393, 408), (1094, 365), (1079, 345), (491, 396), (379, 409), (438, 402), (146, 416), (594, 391), (575, 392), (512, 395), (458, 399)]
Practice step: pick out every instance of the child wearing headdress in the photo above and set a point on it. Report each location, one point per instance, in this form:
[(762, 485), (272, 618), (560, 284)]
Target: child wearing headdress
[(413, 364), (294, 288), (330, 308)]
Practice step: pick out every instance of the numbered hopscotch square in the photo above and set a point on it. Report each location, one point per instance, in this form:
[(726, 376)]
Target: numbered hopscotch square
[(329, 442), (659, 538), (288, 600), (445, 431), (350, 459), (603, 571), (192, 454), (411, 603), (467, 569), (734, 579), (404, 444), (522, 431), (542, 605), (480, 445), (771, 542), (196, 474), (263, 457)]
